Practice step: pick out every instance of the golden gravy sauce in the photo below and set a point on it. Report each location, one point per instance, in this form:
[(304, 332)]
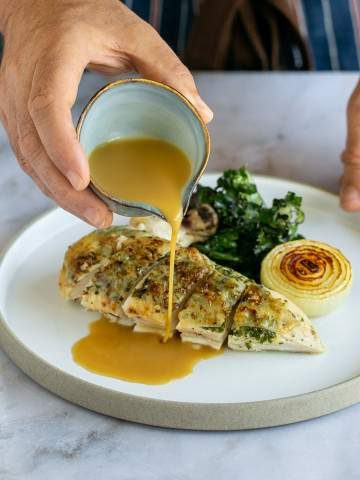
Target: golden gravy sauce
[(117, 351), (145, 170)]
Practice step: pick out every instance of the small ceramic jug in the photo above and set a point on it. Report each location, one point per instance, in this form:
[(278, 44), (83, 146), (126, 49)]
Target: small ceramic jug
[(138, 108)]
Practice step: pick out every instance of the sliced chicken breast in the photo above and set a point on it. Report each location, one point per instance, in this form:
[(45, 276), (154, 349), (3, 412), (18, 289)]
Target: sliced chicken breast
[(207, 315), (266, 320), (123, 274), (148, 305), (112, 284), (92, 252)]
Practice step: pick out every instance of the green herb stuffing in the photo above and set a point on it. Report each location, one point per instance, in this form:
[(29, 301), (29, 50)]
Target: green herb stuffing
[(248, 345), (248, 229), (214, 329), (262, 335)]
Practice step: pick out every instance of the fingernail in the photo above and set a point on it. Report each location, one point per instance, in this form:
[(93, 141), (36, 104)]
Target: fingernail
[(207, 112), (76, 181), (350, 194), (94, 217)]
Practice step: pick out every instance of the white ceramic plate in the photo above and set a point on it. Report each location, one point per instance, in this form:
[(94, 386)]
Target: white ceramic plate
[(234, 390)]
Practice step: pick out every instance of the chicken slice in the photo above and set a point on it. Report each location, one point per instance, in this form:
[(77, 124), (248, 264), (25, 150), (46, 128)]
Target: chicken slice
[(112, 284), (207, 315), (266, 320), (85, 257), (148, 305)]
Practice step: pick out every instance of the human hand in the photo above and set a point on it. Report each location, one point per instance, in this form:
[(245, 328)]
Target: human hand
[(48, 44), (350, 182)]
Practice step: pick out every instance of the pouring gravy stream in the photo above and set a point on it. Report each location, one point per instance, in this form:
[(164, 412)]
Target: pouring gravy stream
[(150, 171)]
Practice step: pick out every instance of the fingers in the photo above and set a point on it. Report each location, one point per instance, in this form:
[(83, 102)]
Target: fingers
[(83, 204), (46, 146), (34, 160), (53, 92), (350, 188), (154, 59), (350, 184)]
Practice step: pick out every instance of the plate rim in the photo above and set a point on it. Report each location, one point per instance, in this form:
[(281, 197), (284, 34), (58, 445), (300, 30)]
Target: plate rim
[(171, 413)]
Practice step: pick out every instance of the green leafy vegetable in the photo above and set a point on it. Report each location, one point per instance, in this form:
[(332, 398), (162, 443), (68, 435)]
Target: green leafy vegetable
[(248, 229)]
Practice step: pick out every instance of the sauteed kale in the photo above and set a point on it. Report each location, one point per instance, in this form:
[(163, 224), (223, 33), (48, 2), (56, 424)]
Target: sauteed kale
[(248, 229)]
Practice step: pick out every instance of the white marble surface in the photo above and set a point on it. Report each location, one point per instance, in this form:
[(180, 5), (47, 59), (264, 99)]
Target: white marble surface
[(286, 125)]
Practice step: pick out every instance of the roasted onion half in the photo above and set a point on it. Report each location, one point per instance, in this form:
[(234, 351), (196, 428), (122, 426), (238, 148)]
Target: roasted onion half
[(314, 275)]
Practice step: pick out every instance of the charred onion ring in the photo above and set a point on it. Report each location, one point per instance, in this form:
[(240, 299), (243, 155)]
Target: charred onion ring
[(314, 275)]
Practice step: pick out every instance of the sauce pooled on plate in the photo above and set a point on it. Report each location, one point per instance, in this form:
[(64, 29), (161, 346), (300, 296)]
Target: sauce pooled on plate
[(117, 351)]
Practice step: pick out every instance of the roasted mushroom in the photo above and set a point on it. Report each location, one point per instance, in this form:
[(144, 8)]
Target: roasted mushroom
[(199, 224), (202, 221)]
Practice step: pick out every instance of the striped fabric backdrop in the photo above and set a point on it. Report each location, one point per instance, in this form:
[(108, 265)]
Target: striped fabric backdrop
[(331, 27)]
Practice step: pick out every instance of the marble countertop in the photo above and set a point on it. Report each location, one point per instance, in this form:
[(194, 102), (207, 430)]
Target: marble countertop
[(288, 125)]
